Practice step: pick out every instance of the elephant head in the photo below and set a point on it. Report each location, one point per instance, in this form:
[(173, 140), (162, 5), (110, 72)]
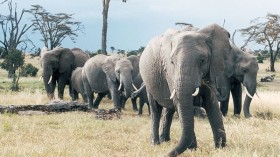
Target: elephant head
[(122, 71), (245, 71), (220, 49), (55, 62), (190, 54)]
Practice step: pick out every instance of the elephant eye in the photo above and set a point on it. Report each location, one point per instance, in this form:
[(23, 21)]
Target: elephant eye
[(244, 70)]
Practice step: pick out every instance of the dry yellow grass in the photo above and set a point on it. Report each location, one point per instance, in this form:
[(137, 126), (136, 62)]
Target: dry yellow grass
[(80, 134)]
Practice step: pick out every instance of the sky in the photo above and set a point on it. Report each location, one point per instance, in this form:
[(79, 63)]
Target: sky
[(132, 24)]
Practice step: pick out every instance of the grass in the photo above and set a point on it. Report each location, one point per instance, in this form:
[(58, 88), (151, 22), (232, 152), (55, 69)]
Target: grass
[(75, 134)]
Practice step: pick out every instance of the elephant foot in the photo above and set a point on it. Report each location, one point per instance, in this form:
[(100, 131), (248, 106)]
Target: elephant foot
[(164, 138), (236, 115), (220, 143), (248, 115), (155, 142), (175, 152)]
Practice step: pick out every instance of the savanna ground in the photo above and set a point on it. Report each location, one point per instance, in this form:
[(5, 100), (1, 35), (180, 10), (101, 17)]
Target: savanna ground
[(75, 134)]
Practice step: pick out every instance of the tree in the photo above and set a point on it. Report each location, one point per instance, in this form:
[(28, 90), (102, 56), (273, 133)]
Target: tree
[(265, 31), (12, 62), (12, 30), (54, 28), (3, 1), (106, 4)]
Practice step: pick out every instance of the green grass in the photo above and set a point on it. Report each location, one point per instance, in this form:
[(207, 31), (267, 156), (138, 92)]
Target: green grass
[(75, 134)]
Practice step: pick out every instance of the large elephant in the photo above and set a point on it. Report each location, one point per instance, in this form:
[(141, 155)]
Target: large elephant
[(77, 84), (172, 66), (245, 69), (57, 66), (109, 74)]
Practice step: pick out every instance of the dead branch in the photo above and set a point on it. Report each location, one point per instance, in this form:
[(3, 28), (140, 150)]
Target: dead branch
[(55, 106)]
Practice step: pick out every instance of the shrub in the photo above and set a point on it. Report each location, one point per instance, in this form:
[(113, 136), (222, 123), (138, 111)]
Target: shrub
[(29, 70), (260, 58)]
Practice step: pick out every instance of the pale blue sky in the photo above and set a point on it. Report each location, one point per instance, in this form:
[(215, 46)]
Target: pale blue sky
[(134, 23)]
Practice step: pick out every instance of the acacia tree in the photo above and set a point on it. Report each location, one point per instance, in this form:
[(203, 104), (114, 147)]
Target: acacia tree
[(3, 1), (106, 4), (265, 31), (54, 28), (12, 30)]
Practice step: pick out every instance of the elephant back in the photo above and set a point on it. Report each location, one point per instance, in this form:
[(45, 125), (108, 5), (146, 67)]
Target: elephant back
[(93, 73), (80, 57)]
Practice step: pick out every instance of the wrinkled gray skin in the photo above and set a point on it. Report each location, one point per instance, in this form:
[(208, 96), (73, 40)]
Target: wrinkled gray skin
[(141, 94), (77, 84), (177, 61), (245, 69), (59, 64), (104, 74)]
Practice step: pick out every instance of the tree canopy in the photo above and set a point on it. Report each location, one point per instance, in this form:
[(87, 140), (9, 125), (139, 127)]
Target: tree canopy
[(54, 28), (265, 31)]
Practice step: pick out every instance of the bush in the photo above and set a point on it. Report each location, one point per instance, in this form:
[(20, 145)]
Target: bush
[(13, 60), (260, 58), (29, 70)]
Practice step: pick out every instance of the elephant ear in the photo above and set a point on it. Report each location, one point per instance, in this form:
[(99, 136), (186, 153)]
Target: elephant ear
[(66, 59), (108, 67), (135, 63), (220, 48)]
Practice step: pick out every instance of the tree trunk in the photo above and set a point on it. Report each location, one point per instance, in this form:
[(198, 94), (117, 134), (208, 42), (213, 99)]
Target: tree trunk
[(272, 61), (105, 25)]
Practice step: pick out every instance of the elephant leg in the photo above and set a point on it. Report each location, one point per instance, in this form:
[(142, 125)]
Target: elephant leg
[(115, 94), (224, 105), (166, 124), (236, 93), (61, 85), (156, 110), (98, 99), (88, 93), (74, 95), (134, 104), (141, 104), (85, 97), (123, 100), (210, 103)]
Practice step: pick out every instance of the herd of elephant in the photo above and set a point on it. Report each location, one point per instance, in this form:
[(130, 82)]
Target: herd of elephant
[(178, 70)]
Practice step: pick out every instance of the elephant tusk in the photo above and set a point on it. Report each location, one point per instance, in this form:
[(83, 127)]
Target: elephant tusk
[(120, 87), (172, 94), (40, 79), (246, 91), (50, 80), (196, 91), (134, 86)]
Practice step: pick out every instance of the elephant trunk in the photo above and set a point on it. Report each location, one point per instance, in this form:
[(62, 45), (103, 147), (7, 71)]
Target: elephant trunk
[(250, 86), (185, 87), (222, 87), (126, 81), (48, 85), (47, 79)]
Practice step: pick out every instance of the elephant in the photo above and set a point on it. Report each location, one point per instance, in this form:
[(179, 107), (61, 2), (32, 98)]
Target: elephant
[(245, 69), (139, 93), (77, 84), (57, 66), (109, 74), (172, 66)]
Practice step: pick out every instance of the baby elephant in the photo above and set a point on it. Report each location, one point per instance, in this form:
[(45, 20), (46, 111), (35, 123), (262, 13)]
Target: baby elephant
[(77, 84)]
